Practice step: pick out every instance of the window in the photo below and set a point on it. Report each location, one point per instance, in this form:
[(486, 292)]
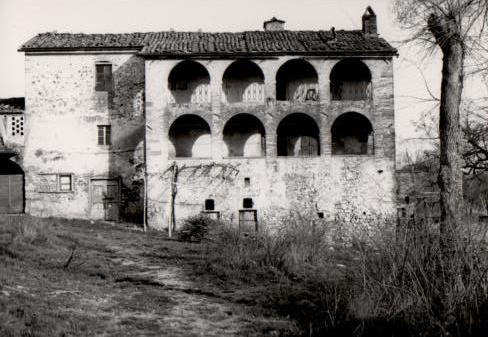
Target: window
[(65, 182), (247, 181), (320, 215), (247, 203), (209, 205), (103, 77), (17, 125), (55, 182), (104, 135)]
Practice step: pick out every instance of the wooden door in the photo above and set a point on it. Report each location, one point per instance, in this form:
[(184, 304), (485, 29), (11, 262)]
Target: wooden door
[(248, 221), (105, 199), (12, 193)]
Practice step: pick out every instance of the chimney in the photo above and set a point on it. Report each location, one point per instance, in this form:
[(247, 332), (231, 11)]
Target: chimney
[(274, 24), (369, 22)]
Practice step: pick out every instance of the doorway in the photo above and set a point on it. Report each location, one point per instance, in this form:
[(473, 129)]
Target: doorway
[(105, 199)]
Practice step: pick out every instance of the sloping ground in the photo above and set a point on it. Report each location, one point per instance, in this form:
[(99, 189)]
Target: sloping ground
[(78, 278)]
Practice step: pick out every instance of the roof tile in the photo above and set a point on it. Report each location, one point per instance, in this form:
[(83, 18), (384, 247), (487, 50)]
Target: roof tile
[(200, 43)]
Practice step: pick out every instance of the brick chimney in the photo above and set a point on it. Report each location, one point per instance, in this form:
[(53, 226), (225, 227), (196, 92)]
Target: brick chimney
[(274, 24), (369, 22)]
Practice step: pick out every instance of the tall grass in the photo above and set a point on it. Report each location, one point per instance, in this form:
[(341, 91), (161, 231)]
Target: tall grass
[(20, 232), (369, 280)]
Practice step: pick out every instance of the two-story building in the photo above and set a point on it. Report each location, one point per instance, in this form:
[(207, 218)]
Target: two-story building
[(246, 126)]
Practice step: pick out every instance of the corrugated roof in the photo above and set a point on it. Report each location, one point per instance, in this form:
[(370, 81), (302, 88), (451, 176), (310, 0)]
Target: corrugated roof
[(202, 43)]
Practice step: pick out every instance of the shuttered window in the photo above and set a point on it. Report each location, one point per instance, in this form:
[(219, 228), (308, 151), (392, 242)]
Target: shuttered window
[(104, 135), (103, 77)]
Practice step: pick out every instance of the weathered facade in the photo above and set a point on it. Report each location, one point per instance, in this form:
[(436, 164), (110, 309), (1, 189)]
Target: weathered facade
[(246, 126)]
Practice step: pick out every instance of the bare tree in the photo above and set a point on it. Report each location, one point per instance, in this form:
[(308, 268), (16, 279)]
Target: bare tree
[(455, 27)]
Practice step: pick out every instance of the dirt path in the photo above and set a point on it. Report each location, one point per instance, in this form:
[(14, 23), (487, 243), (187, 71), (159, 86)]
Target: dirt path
[(119, 282)]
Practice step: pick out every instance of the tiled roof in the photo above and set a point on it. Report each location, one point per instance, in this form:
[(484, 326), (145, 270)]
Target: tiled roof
[(202, 43)]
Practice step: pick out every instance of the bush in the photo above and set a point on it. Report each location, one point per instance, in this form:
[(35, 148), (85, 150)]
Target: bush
[(197, 228), (374, 280)]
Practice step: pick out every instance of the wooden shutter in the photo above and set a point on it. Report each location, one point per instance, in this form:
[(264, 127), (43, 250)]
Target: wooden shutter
[(108, 77), (248, 221), (16, 193), (108, 135), (103, 77), (101, 135), (11, 193), (4, 193)]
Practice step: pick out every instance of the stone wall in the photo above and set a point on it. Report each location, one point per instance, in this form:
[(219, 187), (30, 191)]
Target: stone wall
[(63, 111), (337, 185)]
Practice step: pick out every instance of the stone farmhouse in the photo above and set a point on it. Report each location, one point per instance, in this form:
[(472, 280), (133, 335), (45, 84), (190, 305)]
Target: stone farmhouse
[(245, 126)]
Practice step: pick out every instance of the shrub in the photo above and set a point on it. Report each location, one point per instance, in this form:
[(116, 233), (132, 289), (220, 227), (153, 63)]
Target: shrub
[(197, 228), (373, 280)]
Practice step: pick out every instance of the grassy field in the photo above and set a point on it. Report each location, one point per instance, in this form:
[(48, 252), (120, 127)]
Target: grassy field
[(310, 278), (80, 278)]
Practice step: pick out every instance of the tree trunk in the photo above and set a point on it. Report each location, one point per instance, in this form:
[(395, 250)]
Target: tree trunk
[(450, 177), (448, 37)]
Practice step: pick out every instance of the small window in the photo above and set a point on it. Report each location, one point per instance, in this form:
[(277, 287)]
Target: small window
[(103, 77), (65, 182), (55, 182), (320, 215), (247, 181), (247, 203), (209, 205), (104, 135)]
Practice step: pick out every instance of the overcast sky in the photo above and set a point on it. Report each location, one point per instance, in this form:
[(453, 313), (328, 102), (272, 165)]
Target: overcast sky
[(22, 19)]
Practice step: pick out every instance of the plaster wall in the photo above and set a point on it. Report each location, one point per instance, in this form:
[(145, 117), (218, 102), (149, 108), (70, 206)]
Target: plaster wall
[(64, 110)]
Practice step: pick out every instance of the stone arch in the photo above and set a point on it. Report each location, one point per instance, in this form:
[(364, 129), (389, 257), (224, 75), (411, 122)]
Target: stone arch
[(244, 136), (298, 135), (243, 81), (297, 80), (189, 82), (350, 79), (352, 134), (190, 137)]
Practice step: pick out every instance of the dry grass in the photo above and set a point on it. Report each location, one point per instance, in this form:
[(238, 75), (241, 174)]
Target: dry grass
[(361, 282), (62, 277)]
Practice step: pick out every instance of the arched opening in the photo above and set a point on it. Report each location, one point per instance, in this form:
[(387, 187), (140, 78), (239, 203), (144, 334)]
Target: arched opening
[(352, 133), (350, 80), (190, 137), (298, 135), (189, 82), (243, 82), (296, 80), (11, 186), (244, 136)]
